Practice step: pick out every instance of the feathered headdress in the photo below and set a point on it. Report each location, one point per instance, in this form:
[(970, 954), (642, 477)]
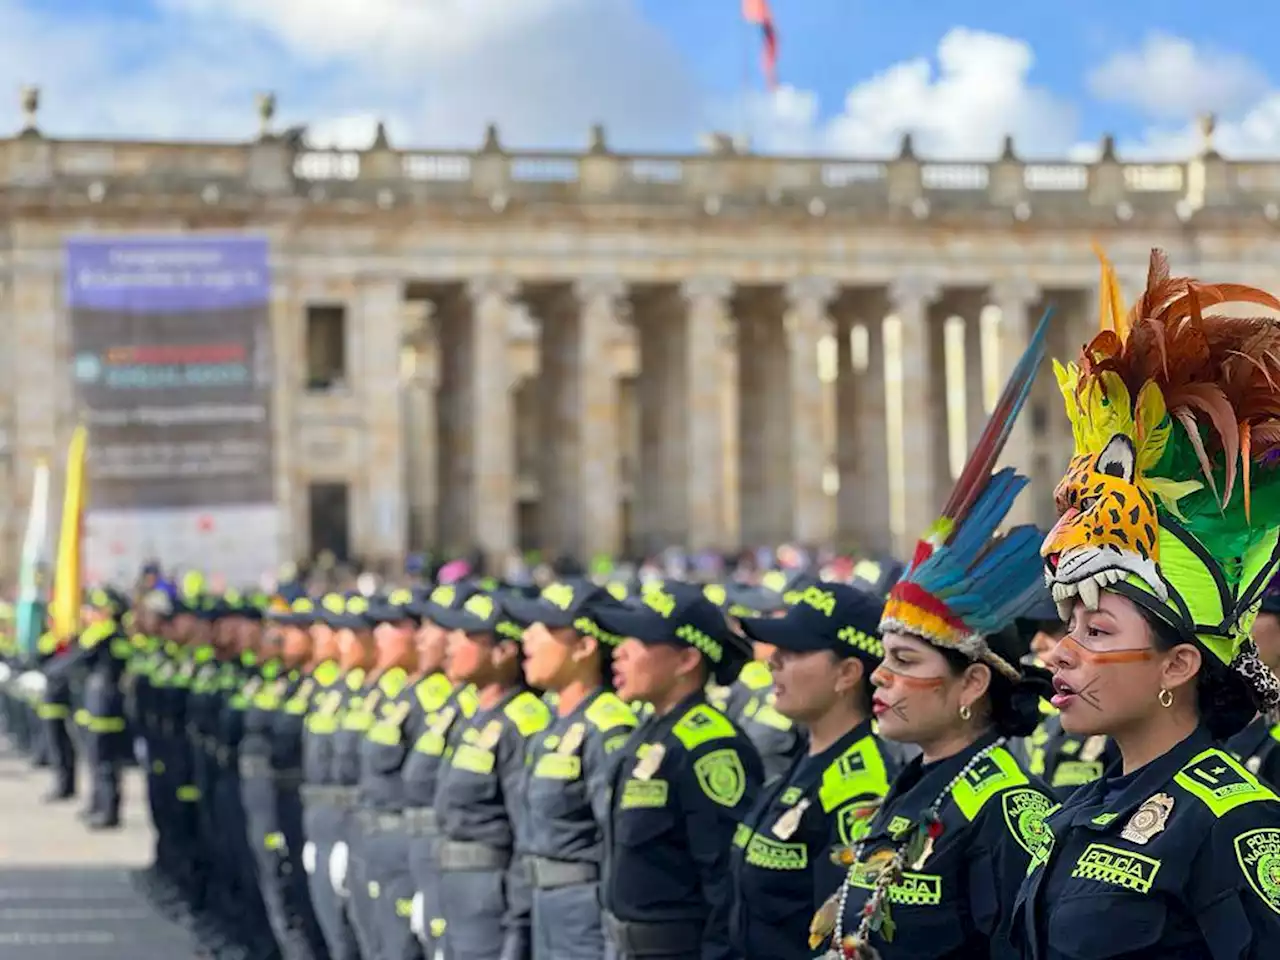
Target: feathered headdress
[(1172, 497), (962, 585)]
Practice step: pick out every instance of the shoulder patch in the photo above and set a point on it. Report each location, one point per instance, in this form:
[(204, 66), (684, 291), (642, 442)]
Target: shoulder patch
[(702, 724), (1024, 811), (996, 772), (721, 776), (853, 822), (1258, 853), (355, 679), (528, 713), (607, 712), (1218, 781)]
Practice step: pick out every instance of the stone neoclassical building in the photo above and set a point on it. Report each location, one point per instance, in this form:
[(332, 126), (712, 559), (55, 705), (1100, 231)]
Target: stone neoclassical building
[(590, 352)]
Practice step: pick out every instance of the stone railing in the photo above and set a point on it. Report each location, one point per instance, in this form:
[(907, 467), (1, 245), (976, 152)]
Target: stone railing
[(722, 181)]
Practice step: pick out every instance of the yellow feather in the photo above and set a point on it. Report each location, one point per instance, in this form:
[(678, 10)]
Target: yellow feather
[(1111, 312), (1154, 426)]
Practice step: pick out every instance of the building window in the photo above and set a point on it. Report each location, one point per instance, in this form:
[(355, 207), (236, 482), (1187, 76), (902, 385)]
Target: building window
[(329, 508), (326, 347)]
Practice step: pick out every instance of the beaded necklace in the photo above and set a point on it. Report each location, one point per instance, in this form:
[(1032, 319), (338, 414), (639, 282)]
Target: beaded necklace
[(875, 912)]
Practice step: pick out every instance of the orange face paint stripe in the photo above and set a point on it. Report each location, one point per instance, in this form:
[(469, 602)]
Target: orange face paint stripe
[(1130, 655)]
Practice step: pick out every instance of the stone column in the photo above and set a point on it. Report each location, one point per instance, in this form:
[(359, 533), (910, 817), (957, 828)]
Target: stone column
[(492, 448), (39, 386), (731, 403), (378, 336), (917, 448), (421, 437), (1014, 297), (975, 409), (806, 323), (706, 313), (599, 454), (862, 448)]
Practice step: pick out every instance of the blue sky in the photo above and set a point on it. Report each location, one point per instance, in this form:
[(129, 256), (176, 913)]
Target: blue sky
[(855, 74)]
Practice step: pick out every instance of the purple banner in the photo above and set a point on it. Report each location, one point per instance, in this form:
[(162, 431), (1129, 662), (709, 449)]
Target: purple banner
[(160, 275), (173, 369)]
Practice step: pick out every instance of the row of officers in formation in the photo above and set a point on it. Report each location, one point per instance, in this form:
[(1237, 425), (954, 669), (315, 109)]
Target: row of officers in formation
[(664, 770)]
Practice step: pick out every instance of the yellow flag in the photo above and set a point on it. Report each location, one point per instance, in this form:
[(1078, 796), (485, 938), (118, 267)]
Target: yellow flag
[(66, 584)]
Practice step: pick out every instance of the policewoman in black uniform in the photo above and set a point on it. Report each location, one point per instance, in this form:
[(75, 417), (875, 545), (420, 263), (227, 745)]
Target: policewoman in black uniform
[(569, 766), (825, 649), (441, 707), (1257, 746), (1178, 847), (749, 700), (937, 869), (683, 783), (484, 887)]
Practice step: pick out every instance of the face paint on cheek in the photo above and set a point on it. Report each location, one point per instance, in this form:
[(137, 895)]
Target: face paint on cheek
[(909, 685), (1127, 655)]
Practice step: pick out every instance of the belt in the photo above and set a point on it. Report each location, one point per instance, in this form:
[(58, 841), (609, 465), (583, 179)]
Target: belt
[(260, 768), (420, 821), (457, 855), (640, 940), (380, 821), (341, 798), (546, 874)]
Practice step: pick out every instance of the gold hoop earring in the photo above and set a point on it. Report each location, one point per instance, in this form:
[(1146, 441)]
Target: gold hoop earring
[(1165, 698), (965, 712)]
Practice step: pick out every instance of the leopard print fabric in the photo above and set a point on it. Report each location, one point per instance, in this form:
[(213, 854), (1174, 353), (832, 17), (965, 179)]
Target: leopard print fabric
[(1263, 683)]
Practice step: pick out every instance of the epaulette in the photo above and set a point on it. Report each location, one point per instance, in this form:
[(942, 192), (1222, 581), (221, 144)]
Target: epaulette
[(1218, 781), (355, 679), (701, 724), (468, 701), (528, 713), (858, 772), (607, 712), (433, 692), (755, 675), (393, 682)]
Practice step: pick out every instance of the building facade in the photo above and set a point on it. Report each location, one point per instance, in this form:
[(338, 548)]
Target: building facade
[(591, 353)]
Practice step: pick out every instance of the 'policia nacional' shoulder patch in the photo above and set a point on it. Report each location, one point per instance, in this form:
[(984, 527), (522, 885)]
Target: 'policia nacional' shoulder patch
[(1258, 852), (1024, 813), (721, 776)]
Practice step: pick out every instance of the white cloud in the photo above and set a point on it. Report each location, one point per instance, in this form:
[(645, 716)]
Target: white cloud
[(979, 94), (437, 71), (1172, 79)]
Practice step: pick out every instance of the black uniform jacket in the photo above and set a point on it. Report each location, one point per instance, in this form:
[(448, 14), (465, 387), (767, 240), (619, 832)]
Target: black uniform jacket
[(956, 903), (1179, 859), (782, 865)]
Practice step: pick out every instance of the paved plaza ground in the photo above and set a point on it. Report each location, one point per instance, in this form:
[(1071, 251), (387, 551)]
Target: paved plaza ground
[(65, 892)]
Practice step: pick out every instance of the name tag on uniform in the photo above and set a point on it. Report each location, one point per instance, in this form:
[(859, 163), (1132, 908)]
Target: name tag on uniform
[(557, 766), (474, 760), (644, 794)]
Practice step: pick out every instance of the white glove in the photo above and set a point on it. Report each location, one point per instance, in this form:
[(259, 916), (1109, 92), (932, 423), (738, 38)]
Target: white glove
[(309, 858), (418, 917), (33, 683), (338, 869), (5, 673)]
